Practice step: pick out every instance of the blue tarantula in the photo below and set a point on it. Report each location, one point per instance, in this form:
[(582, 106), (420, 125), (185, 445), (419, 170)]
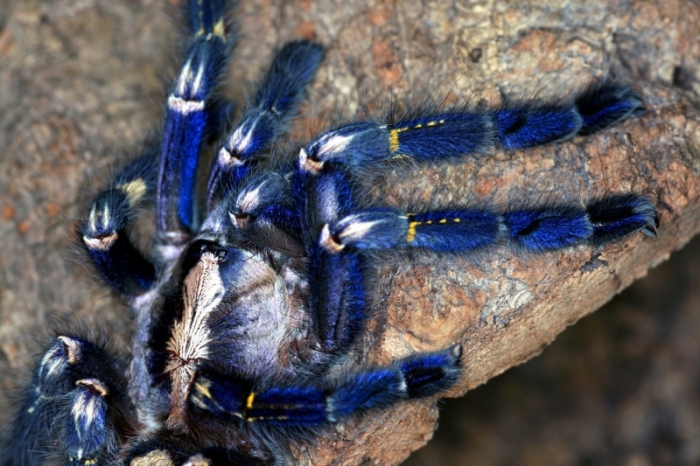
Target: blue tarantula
[(256, 284)]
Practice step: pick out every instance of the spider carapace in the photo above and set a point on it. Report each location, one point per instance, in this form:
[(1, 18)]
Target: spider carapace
[(255, 286)]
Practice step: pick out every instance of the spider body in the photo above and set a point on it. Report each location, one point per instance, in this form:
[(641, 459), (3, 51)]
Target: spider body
[(251, 297)]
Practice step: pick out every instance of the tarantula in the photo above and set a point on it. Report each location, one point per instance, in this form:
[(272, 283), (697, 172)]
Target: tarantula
[(254, 291)]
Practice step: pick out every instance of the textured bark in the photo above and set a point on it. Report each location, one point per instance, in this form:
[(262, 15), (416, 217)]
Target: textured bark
[(81, 82)]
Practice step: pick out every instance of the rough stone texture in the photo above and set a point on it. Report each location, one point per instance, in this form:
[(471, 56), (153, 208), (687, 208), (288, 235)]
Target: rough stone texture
[(81, 84), (618, 388)]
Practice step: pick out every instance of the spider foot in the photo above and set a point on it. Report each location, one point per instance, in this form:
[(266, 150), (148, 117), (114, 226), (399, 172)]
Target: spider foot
[(76, 386), (308, 405), (618, 216), (605, 103), (276, 101)]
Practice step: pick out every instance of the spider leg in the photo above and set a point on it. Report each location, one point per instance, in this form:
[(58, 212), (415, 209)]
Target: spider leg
[(76, 399), (103, 232), (617, 216), (260, 210), (327, 167), (276, 101), (187, 119), (453, 134), (420, 375), (455, 231), (338, 303), (604, 103), (597, 107), (336, 267), (336, 259)]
